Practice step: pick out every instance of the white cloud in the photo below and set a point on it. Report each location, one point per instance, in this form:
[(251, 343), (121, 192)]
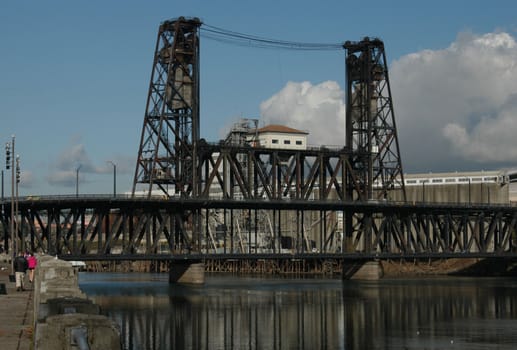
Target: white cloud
[(455, 108), (492, 139), (318, 109), (26, 179), (62, 178), (65, 169)]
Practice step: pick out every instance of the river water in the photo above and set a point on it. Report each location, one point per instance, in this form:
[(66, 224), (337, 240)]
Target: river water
[(236, 312)]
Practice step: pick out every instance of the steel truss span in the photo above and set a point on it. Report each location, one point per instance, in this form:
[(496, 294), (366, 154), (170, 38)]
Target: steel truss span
[(133, 229)]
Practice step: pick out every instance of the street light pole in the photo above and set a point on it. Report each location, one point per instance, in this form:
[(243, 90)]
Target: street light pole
[(6, 242), (18, 226), (11, 228), (114, 178), (77, 180)]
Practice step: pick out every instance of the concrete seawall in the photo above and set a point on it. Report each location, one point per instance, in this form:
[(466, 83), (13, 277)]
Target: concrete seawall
[(63, 317)]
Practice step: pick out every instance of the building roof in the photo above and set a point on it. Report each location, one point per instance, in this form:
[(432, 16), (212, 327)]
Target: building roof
[(280, 129)]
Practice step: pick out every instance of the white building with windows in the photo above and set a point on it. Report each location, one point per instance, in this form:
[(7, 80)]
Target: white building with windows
[(278, 136)]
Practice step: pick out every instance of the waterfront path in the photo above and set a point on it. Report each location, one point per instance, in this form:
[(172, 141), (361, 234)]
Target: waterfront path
[(16, 314)]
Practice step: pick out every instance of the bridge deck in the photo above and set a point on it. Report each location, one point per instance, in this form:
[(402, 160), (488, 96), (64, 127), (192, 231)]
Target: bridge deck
[(123, 228)]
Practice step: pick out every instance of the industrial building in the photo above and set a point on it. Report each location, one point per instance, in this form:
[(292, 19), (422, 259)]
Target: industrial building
[(475, 187), (278, 136)]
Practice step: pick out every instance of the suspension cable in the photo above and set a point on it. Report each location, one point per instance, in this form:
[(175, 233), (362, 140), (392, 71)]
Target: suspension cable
[(240, 39)]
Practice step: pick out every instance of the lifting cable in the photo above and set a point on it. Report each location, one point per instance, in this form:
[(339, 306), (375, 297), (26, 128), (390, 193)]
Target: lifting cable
[(240, 39)]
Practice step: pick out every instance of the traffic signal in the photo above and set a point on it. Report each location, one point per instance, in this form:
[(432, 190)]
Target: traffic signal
[(7, 155)]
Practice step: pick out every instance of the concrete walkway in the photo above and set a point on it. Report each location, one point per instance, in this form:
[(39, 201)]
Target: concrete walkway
[(16, 313)]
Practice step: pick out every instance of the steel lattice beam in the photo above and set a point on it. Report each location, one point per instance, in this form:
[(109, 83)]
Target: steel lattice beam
[(157, 227)]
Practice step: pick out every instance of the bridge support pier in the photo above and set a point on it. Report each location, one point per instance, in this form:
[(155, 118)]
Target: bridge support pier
[(186, 272), (361, 270)]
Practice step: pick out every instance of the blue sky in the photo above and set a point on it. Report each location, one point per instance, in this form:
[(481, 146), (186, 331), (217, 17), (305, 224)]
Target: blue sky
[(74, 77)]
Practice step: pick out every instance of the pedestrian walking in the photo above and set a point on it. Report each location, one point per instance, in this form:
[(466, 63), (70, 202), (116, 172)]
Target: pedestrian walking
[(20, 267), (32, 262)]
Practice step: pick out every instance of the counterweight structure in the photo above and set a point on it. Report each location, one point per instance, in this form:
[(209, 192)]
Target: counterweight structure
[(166, 156), (371, 133)]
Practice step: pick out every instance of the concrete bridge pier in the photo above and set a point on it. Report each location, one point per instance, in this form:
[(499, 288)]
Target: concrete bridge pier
[(187, 272), (363, 270)]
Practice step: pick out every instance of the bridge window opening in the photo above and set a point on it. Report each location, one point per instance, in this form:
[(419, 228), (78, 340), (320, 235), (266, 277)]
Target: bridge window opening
[(287, 142), (274, 141)]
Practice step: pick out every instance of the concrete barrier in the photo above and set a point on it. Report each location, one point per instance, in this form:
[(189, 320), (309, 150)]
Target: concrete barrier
[(54, 279), (64, 317), (77, 331)]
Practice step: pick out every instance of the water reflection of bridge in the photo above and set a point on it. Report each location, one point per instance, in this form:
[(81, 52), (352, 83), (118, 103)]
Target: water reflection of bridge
[(103, 228), (316, 314)]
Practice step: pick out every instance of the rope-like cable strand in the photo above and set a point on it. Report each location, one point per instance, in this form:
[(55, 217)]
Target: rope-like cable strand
[(240, 39)]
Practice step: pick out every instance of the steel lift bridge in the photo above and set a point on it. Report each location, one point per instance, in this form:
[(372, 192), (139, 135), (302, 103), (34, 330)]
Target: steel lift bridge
[(238, 203)]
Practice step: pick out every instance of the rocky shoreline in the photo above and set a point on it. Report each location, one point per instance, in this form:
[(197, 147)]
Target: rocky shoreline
[(486, 267)]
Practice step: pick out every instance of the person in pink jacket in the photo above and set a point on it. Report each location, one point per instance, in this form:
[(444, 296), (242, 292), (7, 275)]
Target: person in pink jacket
[(32, 262)]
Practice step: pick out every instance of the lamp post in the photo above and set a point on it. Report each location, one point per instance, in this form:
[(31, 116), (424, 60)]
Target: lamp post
[(77, 180), (9, 164), (18, 226), (6, 241), (114, 177)]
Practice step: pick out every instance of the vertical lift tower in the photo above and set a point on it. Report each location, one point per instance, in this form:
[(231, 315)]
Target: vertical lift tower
[(371, 133), (371, 137), (166, 157)]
